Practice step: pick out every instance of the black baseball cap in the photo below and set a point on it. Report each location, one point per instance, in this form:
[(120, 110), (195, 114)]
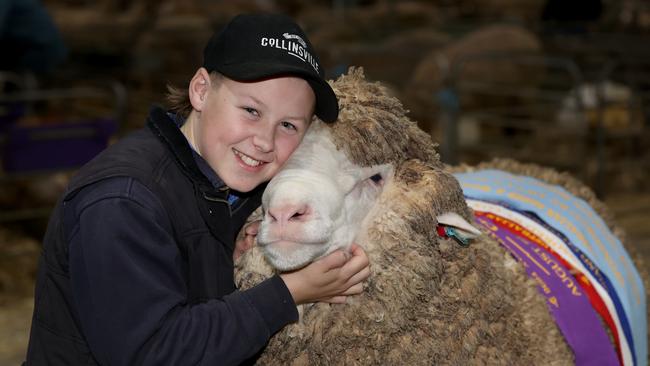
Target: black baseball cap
[(259, 46)]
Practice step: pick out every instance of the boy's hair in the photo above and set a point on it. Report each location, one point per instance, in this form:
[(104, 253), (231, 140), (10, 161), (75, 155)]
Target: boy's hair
[(178, 99)]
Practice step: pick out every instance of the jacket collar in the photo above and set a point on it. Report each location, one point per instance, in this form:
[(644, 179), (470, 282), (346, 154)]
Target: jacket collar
[(168, 132)]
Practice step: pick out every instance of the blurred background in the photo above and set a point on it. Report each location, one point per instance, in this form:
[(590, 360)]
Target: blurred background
[(561, 83)]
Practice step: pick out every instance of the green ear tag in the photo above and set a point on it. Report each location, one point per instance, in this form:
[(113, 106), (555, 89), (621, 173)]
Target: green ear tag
[(452, 233)]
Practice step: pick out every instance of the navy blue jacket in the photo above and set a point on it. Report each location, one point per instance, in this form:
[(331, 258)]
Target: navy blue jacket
[(137, 264)]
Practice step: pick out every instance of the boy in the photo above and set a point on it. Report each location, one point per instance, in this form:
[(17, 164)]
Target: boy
[(137, 266)]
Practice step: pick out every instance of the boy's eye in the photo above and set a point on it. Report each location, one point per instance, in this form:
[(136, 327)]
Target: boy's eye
[(252, 111), (289, 126)]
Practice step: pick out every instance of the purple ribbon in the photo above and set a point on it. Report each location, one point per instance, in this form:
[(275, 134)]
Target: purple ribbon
[(568, 304)]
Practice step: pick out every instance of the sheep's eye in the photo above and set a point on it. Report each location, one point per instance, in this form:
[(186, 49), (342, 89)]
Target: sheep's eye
[(377, 178)]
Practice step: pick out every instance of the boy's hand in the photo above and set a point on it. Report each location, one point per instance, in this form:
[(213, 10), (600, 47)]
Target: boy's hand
[(329, 279), (246, 239)]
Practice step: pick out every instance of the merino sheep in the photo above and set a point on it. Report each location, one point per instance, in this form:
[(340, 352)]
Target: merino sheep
[(376, 178)]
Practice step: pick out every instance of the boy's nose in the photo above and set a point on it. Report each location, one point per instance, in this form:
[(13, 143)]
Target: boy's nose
[(263, 140)]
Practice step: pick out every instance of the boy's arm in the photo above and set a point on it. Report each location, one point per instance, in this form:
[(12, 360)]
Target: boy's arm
[(127, 279)]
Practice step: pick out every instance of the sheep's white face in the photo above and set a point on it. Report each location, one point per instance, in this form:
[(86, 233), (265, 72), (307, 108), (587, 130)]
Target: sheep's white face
[(317, 202)]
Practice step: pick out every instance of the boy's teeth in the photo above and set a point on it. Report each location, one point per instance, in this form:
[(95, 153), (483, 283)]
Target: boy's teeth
[(248, 160)]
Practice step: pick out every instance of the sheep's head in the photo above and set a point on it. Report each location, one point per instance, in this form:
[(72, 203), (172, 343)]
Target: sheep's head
[(318, 202)]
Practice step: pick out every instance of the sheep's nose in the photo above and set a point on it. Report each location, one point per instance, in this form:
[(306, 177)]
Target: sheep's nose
[(282, 215)]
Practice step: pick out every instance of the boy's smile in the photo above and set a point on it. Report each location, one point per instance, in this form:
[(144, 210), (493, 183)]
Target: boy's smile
[(247, 130), (247, 161)]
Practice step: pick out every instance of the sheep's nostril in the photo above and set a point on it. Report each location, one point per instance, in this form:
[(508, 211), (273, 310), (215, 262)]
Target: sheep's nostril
[(299, 214), (274, 214), (288, 213)]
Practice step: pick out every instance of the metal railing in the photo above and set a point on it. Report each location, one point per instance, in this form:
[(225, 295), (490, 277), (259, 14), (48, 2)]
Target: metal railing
[(549, 120)]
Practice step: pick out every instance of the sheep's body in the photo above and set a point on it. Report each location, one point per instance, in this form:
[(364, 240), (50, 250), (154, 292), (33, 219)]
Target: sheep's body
[(428, 300)]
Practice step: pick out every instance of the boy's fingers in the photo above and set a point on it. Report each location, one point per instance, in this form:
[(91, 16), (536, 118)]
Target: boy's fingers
[(356, 264), (333, 260), (335, 299), (249, 242), (358, 252), (252, 228), (356, 249), (354, 290), (360, 276)]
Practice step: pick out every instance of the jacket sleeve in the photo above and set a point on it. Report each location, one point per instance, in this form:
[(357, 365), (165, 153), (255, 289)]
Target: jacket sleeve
[(129, 290)]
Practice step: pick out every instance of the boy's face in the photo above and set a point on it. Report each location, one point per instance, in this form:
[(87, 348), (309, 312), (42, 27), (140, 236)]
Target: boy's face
[(247, 131)]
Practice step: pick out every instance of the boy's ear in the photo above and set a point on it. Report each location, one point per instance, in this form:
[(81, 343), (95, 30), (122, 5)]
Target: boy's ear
[(199, 87)]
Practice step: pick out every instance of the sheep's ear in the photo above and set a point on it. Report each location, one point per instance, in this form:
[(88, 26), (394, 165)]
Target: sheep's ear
[(459, 223)]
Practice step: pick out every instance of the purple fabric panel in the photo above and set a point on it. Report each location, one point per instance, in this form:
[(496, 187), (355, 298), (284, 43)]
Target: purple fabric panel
[(33, 148), (570, 307)]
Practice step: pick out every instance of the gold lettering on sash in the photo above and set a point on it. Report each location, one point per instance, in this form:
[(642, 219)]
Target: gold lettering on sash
[(480, 187), (522, 198), (536, 193), (635, 289), (563, 221), (561, 204), (553, 188), (528, 255), (617, 274), (559, 271), (589, 263), (547, 291), (612, 266), (513, 253), (490, 226)]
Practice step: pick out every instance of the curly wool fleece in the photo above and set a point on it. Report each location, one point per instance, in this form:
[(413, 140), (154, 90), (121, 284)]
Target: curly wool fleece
[(428, 300)]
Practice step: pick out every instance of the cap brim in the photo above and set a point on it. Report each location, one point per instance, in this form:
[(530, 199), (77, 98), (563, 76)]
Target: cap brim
[(327, 107)]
